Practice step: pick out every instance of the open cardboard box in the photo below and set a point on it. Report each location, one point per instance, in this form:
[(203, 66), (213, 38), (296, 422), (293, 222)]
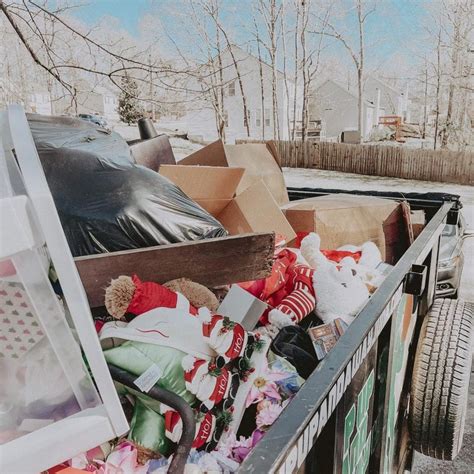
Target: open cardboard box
[(341, 219), (216, 189), (260, 162)]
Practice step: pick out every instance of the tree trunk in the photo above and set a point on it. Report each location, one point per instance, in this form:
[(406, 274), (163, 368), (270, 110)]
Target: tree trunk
[(360, 70), (285, 73), (360, 118), (425, 106), (438, 87), (262, 88), (272, 32), (295, 98), (452, 85)]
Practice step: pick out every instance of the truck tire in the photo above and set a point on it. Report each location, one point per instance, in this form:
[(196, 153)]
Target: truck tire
[(440, 383)]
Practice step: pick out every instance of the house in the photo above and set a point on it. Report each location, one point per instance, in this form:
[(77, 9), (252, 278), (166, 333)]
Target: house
[(200, 117), (39, 103), (336, 106), (392, 100), (35, 102), (90, 100)]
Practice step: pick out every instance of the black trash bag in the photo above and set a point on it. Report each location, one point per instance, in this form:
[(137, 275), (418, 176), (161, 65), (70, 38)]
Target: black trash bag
[(294, 344), (105, 201)]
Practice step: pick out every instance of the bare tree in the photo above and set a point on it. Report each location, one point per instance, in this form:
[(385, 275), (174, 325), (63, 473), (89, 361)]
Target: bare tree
[(261, 77), (438, 88), (458, 20), (270, 13), (357, 53)]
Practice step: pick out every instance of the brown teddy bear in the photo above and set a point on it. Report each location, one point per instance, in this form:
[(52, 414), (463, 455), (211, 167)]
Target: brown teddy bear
[(121, 293)]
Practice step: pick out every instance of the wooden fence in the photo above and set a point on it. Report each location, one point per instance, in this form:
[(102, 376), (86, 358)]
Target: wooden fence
[(379, 160)]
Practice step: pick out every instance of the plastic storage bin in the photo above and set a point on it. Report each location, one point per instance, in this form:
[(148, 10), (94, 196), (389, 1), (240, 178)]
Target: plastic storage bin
[(50, 408)]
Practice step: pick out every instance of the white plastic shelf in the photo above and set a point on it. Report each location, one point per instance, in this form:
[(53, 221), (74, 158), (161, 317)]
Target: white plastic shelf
[(50, 410)]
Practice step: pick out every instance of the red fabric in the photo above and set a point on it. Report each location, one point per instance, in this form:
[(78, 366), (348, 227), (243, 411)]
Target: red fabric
[(300, 299), (98, 325), (299, 237), (265, 288), (334, 255), (171, 420), (338, 255), (286, 278), (221, 387), (205, 430), (237, 344), (190, 374), (207, 328), (150, 295)]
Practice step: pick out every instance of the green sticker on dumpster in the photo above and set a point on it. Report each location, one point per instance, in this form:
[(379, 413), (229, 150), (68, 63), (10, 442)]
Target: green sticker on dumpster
[(357, 439)]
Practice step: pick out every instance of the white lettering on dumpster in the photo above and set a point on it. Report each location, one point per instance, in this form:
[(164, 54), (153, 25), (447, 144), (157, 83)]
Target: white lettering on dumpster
[(298, 452)]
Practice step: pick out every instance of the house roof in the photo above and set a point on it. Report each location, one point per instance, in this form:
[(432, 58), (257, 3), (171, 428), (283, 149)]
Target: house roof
[(351, 92), (385, 84), (233, 46)]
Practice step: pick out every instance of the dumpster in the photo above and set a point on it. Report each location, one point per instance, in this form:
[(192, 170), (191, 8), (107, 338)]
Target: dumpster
[(396, 381)]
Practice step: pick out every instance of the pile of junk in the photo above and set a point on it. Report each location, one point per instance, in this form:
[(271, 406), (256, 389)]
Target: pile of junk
[(213, 296)]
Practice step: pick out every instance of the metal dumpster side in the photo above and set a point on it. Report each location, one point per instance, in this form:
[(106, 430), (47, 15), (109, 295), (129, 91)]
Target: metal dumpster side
[(351, 415)]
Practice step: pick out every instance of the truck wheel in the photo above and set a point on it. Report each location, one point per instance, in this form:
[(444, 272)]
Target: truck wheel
[(440, 382)]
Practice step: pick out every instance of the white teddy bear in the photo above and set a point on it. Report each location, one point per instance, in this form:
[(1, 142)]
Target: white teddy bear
[(340, 292)]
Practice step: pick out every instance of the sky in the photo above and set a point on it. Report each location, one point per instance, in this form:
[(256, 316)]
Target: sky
[(392, 30)]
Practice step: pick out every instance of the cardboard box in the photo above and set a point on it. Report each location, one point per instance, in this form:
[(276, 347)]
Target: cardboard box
[(215, 189), (418, 221), (342, 219), (259, 161), (242, 307)]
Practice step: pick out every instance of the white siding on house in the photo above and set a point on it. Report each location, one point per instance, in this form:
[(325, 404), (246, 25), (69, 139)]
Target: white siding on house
[(40, 103), (200, 122)]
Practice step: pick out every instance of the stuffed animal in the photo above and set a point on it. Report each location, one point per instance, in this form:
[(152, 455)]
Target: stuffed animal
[(130, 295), (198, 295), (218, 360), (339, 292), (366, 266), (288, 291)]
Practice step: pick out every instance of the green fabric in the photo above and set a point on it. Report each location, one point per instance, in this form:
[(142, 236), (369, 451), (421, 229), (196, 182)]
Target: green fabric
[(147, 429), (137, 357)]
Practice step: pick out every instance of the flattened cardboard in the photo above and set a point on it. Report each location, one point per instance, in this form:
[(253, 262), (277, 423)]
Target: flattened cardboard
[(342, 219), (242, 307), (259, 161), (214, 188)]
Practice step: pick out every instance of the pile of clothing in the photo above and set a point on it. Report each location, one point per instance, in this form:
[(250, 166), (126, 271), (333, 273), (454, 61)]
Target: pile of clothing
[(237, 381)]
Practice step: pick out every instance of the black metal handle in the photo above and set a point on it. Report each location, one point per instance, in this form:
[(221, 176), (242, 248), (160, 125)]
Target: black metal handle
[(415, 280), (174, 401)]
